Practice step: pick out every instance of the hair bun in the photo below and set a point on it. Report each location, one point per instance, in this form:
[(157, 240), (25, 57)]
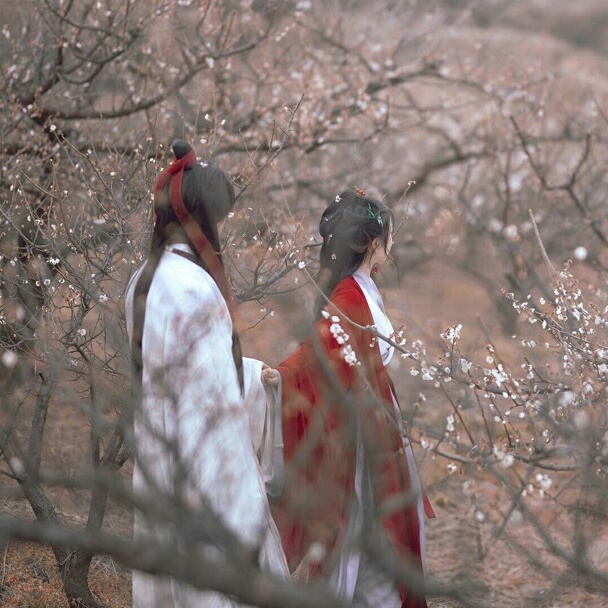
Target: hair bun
[(180, 148)]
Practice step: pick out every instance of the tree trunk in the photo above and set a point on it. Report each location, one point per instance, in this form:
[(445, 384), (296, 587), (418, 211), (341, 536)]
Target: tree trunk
[(73, 564), (74, 569)]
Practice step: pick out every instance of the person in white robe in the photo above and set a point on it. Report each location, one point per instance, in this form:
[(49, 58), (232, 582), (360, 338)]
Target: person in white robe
[(192, 439)]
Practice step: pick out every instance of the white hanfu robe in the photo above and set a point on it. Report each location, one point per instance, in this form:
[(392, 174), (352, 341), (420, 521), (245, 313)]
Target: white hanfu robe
[(192, 434)]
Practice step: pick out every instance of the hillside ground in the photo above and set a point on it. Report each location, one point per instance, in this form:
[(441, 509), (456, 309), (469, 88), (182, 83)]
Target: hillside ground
[(427, 302)]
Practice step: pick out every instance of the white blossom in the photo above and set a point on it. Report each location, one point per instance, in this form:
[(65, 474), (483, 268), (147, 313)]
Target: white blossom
[(507, 461), (452, 333), (544, 481), (510, 232), (342, 338), (9, 359), (349, 355), (17, 465), (465, 366)]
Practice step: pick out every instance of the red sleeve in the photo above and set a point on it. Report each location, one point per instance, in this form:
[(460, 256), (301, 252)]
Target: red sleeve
[(321, 361)]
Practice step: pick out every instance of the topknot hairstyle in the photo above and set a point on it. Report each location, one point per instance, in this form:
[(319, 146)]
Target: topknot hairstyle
[(206, 191), (207, 196)]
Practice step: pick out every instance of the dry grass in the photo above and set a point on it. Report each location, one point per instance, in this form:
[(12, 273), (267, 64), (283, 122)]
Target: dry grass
[(30, 579)]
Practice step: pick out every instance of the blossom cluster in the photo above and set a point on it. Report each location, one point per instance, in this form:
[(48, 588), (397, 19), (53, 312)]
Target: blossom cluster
[(533, 423), (341, 337)]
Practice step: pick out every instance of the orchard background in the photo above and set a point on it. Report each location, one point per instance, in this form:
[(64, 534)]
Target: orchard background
[(482, 123)]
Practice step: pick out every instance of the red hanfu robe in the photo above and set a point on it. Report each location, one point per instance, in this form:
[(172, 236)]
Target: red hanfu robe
[(319, 426)]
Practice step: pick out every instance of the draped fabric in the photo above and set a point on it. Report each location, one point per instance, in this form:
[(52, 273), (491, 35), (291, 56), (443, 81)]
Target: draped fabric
[(209, 258), (327, 404), (192, 435)]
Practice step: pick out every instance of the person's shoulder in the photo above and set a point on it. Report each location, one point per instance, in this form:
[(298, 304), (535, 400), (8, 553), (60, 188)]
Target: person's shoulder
[(349, 290), (349, 298), (184, 280)]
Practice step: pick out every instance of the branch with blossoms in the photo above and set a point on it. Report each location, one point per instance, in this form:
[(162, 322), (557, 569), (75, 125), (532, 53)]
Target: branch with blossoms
[(526, 417)]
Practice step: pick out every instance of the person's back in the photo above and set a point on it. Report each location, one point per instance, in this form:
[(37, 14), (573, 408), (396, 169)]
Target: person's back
[(191, 435), (347, 465)]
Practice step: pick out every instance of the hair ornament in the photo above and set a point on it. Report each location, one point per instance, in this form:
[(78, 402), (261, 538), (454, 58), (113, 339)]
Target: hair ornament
[(373, 216), (359, 192)]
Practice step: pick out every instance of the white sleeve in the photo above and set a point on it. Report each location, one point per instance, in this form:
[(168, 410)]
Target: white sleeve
[(263, 406), (254, 400)]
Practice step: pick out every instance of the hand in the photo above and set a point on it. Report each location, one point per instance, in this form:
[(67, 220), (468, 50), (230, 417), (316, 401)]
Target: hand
[(269, 376)]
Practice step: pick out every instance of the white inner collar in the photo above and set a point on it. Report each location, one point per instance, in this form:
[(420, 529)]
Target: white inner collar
[(376, 306)]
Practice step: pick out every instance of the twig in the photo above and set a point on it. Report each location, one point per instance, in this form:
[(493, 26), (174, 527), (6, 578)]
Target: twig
[(554, 274), (278, 150)]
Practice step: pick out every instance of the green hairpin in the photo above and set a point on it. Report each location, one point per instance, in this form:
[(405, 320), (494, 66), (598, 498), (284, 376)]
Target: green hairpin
[(372, 215)]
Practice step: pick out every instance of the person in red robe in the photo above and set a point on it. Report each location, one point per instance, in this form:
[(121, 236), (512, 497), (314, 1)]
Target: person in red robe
[(352, 507)]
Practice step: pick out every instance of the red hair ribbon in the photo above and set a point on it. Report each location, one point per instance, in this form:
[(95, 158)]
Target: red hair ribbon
[(359, 192), (193, 230)]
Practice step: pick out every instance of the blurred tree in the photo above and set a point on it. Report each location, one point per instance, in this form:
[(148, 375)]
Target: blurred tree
[(479, 122)]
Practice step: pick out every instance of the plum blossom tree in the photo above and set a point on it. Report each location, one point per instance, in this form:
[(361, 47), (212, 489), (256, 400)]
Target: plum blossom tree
[(502, 158)]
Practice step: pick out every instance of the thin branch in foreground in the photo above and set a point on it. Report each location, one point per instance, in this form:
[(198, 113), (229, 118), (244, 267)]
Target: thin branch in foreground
[(247, 583)]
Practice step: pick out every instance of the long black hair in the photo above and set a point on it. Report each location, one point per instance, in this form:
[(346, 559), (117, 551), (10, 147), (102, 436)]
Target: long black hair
[(348, 227), (208, 196)]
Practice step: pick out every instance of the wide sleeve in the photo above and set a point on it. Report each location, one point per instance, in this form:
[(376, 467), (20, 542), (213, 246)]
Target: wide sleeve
[(263, 407), (254, 400), (213, 439), (328, 361), (317, 424)]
